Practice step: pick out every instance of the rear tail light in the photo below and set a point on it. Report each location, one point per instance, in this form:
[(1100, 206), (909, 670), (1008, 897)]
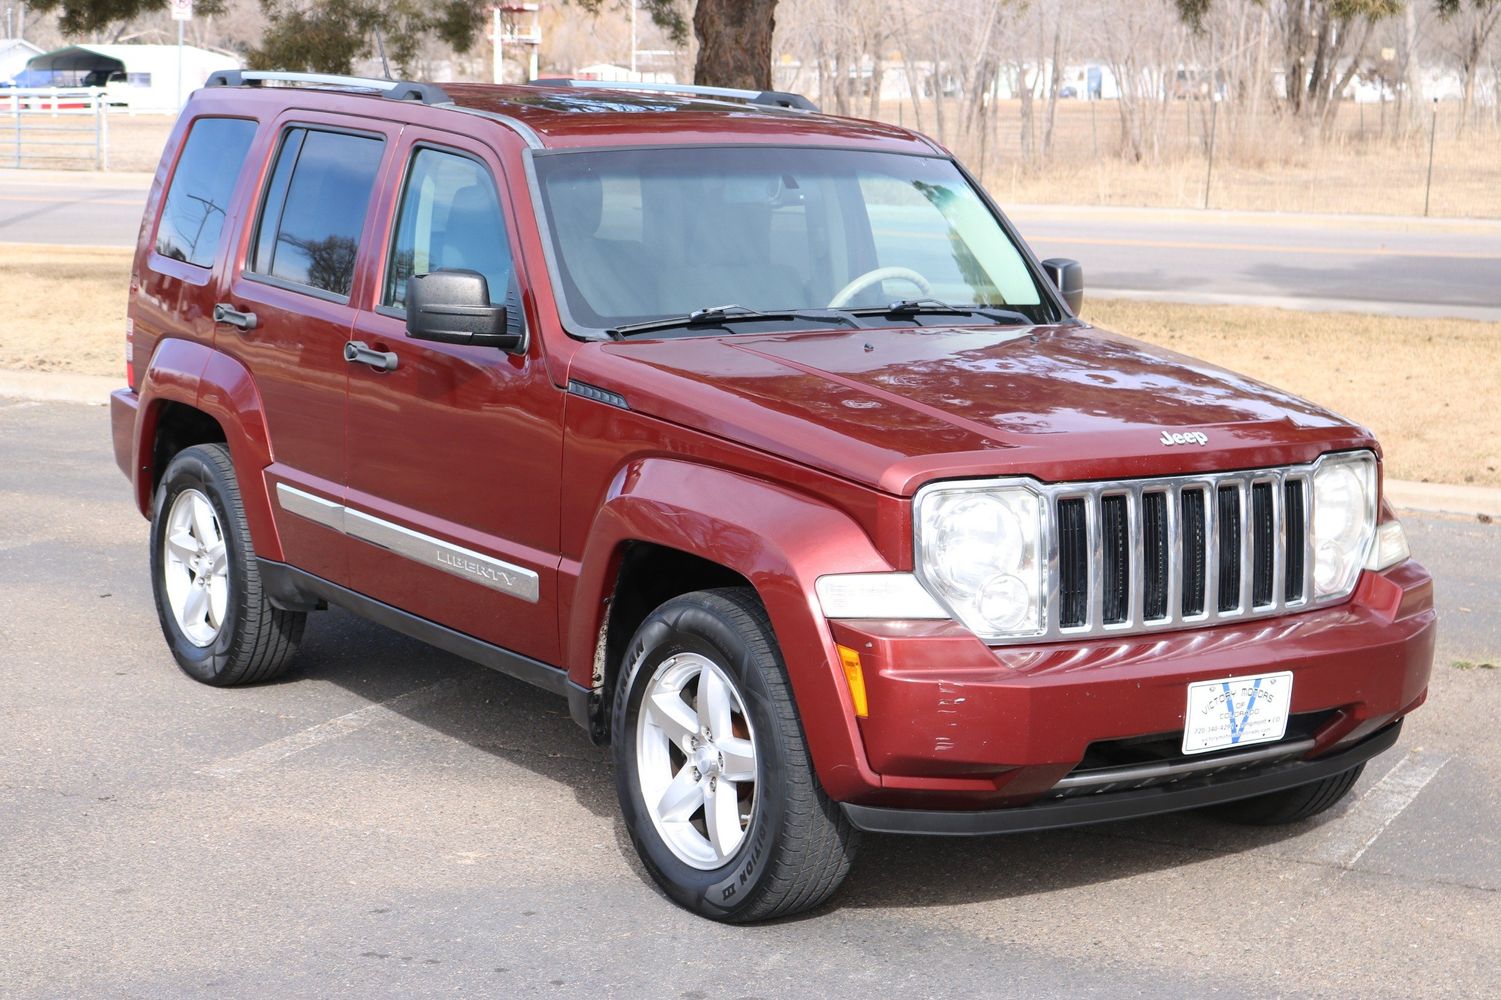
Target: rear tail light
[(130, 352)]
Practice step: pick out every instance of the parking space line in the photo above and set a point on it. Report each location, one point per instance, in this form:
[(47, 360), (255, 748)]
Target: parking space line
[(1367, 819), (343, 725)]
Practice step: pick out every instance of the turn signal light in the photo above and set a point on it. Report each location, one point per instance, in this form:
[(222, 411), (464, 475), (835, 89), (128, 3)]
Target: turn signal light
[(855, 677)]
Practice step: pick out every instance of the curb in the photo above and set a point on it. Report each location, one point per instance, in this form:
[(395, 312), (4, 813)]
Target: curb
[(1440, 498), (58, 387), (1427, 498)]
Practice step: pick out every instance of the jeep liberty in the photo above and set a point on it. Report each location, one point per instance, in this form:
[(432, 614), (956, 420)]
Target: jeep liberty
[(761, 437)]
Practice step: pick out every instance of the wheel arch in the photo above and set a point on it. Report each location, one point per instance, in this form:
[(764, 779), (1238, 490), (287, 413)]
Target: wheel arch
[(719, 528), (192, 394)]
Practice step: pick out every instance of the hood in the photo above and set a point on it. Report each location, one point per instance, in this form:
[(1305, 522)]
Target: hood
[(893, 408)]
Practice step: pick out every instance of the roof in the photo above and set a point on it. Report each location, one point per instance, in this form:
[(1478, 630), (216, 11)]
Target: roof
[(564, 117), (7, 44)]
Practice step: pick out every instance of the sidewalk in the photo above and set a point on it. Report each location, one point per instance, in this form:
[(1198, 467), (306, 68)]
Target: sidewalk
[(94, 390), (122, 180)]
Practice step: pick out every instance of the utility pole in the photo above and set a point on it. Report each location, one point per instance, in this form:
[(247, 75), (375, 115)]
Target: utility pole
[(182, 13)]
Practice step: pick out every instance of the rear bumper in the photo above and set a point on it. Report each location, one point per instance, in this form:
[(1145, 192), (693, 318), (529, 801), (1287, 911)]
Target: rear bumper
[(956, 725), (1191, 793), (124, 404)]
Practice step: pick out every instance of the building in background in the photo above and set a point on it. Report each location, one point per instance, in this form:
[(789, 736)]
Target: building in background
[(15, 53), (136, 77)]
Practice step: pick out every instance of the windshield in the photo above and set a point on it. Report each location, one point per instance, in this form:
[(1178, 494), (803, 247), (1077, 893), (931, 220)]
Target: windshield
[(647, 234)]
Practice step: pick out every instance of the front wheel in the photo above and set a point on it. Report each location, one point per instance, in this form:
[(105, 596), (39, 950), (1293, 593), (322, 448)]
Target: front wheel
[(712, 769)]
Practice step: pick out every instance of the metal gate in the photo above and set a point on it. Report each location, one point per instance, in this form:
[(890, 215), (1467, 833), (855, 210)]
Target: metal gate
[(55, 127)]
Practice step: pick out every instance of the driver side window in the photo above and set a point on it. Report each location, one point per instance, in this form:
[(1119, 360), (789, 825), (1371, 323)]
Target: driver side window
[(449, 218)]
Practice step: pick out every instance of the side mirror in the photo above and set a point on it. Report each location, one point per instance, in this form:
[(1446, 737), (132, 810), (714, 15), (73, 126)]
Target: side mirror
[(453, 307), (1068, 277)]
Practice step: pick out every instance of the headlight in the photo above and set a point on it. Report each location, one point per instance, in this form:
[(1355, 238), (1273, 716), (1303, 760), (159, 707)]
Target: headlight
[(1344, 519), (978, 551)]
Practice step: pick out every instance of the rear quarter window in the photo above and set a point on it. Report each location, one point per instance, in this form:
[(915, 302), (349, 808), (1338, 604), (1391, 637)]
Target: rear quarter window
[(198, 197)]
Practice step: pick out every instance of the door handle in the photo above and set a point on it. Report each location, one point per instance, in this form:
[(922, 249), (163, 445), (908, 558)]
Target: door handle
[(356, 352), (226, 313)]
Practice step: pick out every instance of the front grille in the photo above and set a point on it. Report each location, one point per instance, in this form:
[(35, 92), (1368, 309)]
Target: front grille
[(1158, 553)]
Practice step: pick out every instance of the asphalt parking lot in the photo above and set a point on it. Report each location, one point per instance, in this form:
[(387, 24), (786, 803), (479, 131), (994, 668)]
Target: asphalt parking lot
[(389, 820)]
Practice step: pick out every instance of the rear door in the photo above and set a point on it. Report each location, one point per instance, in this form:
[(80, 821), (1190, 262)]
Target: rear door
[(298, 280), (453, 481)]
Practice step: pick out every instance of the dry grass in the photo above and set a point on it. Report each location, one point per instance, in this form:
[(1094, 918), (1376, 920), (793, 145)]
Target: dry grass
[(64, 309), (1269, 163), (1424, 386), (135, 143)]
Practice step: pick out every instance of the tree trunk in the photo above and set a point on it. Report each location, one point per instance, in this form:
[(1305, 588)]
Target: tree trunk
[(734, 43), (1055, 82)]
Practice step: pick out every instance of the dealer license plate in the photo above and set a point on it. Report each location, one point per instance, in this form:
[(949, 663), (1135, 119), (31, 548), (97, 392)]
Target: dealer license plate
[(1237, 711)]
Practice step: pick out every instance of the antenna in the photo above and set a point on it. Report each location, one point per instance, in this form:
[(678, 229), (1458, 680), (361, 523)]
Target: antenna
[(380, 47)]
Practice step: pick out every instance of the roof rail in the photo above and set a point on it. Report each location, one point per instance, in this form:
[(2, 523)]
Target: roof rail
[(767, 98), (396, 90)]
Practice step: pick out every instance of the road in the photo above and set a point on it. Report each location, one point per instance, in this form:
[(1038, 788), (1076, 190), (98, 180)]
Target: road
[(389, 820), (1411, 267)]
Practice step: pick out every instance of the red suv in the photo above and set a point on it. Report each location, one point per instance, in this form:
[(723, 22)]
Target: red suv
[(761, 436)]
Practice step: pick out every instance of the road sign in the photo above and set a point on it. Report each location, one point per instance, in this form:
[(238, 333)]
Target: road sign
[(182, 10)]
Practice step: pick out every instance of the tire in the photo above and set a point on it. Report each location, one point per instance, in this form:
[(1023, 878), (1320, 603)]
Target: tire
[(230, 634), (1291, 804), (795, 845)]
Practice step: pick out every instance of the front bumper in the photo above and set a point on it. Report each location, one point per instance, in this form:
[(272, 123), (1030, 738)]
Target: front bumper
[(1050, 814), (956, 725)]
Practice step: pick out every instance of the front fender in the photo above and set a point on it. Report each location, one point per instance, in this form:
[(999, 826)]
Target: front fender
[(196, 375), (779, 540)]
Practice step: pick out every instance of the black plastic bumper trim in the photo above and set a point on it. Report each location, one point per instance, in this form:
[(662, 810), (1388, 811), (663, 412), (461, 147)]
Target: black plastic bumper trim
[(1108, 806)]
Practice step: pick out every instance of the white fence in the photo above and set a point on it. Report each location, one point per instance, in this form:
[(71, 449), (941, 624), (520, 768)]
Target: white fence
[(55, 127)]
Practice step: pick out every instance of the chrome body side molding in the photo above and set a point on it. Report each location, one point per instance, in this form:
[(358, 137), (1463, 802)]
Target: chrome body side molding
[(476, 567)]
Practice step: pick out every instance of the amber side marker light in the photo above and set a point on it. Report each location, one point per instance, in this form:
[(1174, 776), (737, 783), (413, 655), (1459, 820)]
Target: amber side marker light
[(856, 679)]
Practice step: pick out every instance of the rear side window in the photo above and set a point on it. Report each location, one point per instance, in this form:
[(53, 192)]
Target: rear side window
[(314, 209), (198, 198), (450, 219)]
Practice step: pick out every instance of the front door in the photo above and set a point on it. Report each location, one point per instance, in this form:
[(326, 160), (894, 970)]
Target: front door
[(453, 482), (298, 282)]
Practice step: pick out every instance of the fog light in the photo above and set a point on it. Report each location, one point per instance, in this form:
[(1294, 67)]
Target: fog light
[(1003, 602)]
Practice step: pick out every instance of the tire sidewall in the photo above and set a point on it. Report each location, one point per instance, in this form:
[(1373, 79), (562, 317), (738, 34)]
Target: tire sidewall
[(683, 627), (190, 470)]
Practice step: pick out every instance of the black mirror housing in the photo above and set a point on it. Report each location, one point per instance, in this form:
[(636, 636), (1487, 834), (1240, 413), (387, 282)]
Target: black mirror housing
[(452, 306), (1068, 277)]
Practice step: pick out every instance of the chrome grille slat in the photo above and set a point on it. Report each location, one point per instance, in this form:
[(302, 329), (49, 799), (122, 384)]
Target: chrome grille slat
[(1181, 556)]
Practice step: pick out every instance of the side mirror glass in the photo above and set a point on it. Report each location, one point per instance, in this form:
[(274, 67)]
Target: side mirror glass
[(452, 306), (1068, 277)]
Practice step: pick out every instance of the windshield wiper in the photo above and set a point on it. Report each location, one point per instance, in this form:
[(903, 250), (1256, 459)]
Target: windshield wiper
[(724, 315), (935, 307)]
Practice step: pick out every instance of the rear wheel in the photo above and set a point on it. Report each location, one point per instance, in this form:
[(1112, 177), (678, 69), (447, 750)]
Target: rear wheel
[(220, 626), (711, 767), (1289, 805)]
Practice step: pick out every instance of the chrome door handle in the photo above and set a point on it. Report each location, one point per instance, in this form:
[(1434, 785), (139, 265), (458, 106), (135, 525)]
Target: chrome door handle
[(244, 321), (357, 352)]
